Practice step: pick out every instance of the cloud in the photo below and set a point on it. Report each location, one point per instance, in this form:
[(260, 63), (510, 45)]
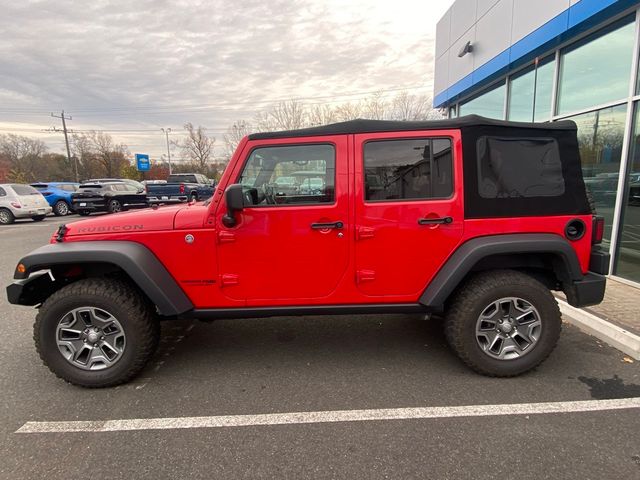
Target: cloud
[(151, 63)]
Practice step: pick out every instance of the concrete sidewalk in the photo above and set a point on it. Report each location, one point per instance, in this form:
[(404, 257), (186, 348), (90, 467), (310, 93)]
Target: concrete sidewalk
[(616, 320)]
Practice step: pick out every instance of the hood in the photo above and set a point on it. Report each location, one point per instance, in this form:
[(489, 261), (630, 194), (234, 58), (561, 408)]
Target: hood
[(134, 221)]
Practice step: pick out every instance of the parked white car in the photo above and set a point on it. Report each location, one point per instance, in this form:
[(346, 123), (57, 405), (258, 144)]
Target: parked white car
[(21, 201)]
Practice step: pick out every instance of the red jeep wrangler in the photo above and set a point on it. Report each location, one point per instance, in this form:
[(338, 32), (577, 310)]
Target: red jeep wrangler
[(472, 218)]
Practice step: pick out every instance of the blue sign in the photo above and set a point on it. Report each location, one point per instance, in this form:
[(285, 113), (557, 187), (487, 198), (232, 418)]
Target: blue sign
[(142, 162)]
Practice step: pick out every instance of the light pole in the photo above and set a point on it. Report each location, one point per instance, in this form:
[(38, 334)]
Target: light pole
[(167, 131)]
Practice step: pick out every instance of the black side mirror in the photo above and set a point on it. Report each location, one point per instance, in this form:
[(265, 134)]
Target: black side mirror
[(235, 203)]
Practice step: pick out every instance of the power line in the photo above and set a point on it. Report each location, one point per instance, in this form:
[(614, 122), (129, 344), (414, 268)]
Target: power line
[(204, 107)]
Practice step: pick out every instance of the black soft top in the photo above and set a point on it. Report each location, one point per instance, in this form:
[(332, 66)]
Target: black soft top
[(370, 126)]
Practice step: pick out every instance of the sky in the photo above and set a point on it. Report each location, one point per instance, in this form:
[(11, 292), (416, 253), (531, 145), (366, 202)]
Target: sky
[(132, 67)]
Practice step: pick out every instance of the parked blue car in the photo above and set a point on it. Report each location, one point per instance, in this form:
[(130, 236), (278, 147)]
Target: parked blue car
[(58, 194)]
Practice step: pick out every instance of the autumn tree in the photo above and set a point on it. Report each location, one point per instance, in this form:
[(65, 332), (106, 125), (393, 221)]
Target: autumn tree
[(24, 157)]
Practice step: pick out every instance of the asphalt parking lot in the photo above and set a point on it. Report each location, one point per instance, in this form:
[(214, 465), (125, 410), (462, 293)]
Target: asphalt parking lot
[(314, 364)]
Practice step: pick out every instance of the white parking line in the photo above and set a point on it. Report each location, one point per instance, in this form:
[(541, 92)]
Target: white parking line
[(295, 418)]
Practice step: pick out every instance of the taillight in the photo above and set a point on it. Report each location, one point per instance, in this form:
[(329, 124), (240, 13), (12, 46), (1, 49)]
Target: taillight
[(16, 205), (598, 230), (182, 188)]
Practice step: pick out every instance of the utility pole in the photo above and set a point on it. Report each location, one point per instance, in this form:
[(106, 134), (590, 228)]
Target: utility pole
[(167, 131), (66, 140)]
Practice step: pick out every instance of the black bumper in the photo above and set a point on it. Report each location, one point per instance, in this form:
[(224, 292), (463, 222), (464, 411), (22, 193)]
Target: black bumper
[(586, 292), (31, 291)]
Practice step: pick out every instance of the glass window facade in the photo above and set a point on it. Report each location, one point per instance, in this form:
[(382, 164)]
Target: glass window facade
[(596, 70), (530, 93), (489, 104), (628, 245), (593, 71), (600, 136)]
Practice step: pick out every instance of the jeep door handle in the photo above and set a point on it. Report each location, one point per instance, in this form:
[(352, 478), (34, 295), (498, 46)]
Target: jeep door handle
[(324, 226), (434, 221)]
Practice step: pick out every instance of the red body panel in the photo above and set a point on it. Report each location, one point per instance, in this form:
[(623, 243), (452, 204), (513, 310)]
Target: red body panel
[(273, 258)]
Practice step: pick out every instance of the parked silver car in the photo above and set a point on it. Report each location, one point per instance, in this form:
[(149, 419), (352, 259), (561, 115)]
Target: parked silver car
[(21, 201)]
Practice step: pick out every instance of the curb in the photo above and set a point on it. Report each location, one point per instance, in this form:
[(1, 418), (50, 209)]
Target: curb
[(617, 337)]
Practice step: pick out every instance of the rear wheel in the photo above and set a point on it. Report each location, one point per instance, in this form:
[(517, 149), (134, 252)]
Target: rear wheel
[(114, 206), (194, 197), (6, 217), (61, 208), (38, 218), (96, 332), (503, 323)]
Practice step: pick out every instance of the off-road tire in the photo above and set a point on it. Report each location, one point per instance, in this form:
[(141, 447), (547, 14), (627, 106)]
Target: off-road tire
[(479, 291), (38, 218), (121, 299), (61, 208), (6, 217)]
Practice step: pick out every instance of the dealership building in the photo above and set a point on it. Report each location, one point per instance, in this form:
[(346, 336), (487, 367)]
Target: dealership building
[(547, 60)]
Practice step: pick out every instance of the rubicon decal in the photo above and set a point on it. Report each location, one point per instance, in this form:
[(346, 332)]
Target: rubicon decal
[(111, 228)]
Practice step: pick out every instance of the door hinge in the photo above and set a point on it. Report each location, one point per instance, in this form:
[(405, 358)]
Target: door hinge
[(365, 232), (229, 279), (226, 237), (365, 276)]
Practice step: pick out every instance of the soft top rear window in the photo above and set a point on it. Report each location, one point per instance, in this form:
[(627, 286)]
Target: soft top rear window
[(518, 167)]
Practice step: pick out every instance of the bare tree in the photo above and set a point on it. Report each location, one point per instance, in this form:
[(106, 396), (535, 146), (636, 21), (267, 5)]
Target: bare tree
[(348, 111), (24, 156), (235, 133), (374, 107), (406, 106), (283, 116), (111, 156), (321, 115), (197, 147)]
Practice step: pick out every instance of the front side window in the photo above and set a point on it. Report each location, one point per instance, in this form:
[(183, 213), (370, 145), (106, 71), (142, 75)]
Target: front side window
[(2, 192), (412, 169), (295, 174), (519, 168)]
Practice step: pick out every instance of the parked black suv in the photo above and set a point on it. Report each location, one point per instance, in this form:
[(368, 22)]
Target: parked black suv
[(111, 197)]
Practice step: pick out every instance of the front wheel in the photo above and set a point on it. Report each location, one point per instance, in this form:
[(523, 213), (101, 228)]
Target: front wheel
[(503, 323), (96, 332)]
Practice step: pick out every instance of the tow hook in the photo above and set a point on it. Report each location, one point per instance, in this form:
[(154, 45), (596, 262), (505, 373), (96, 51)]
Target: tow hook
[(62, 229)]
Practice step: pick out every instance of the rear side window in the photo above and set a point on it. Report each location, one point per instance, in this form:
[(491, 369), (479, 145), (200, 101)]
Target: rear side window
[(519, 167), (411, 169), (2, 192), (24, 190)]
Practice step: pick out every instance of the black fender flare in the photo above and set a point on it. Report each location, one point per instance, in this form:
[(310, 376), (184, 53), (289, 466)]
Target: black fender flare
[(460, 263), (136, 260)]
